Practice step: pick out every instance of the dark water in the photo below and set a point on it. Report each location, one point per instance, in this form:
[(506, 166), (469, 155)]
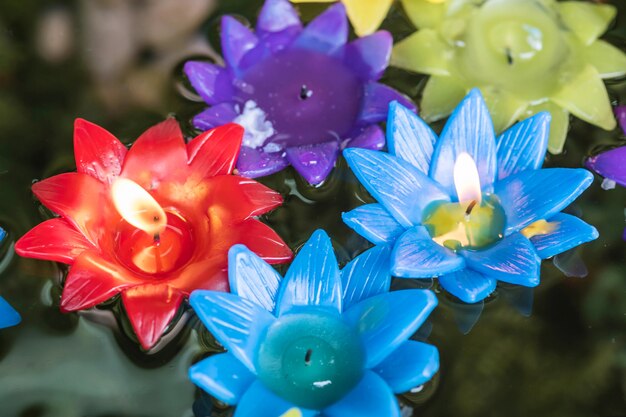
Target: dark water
[(557, 351)]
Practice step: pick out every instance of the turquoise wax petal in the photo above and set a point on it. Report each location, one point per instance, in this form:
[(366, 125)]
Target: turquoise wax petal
[(374, 223), (371, 398), (258, 401), (387, 320), (412, 364), (366, 275), (313, 278), (468, 285), (8, 316), (570, 232), (223, 376), (252, 278)]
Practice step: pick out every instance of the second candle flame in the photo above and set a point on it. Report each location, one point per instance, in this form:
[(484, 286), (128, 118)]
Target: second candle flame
[(138, 207), (466, 179)]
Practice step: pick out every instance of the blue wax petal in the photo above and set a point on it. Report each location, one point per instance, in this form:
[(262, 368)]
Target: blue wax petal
[(3, 234), (369, 56), (237, 41), (8, 316), (417, 255), (238, 324), (377, 101), (211, 82), (278, 24), (313, 278), (513, 260), (374, 223), (387, 320), (258, 401), (371, 398), (399, 186), (252, 278), (468, 285), (412, 364), (366, 275), (570, 232), (468, 130), (409, 137), (222, 376), (523, 146), (529, 196), (327, 32)]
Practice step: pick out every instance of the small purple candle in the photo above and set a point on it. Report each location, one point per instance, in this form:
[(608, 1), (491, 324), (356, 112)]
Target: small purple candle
[(302, 94)]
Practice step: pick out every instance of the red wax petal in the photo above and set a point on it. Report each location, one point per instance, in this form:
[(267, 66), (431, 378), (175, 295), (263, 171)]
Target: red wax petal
[(92, 280), (98, 153), (215, 151), (159, 153), (209, 274), (264, 241), (53, 240), (241, 198), (150, 309), (79, 198)]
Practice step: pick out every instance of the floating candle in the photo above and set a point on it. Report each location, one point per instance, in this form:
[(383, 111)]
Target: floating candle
[(8, 316), (302, 94), (469, 208), (526, 56), (152, 223), (326, 341)]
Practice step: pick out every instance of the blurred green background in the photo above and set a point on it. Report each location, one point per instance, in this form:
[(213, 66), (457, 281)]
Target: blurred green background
[(117, 63)]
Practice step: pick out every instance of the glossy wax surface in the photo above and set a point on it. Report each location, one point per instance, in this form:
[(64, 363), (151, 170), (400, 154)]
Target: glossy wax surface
[(311, 360), (309, 97)]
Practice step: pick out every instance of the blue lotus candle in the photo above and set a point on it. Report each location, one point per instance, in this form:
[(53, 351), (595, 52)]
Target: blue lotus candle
[(321, 340), (8, 316), (469, 208), (302, 94)]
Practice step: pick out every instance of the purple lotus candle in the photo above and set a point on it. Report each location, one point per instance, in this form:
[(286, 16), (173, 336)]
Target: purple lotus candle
[(302, 94)]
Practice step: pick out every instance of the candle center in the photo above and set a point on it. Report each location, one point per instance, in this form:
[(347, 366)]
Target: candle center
[(311, 359), (155, 254), (305, 96)]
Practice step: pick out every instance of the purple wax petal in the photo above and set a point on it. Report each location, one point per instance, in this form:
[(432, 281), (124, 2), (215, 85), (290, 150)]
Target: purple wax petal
[(254, 163), (369, 56), (314, 162), (372, 137), (376, 102), (610, 164), (212, 82), (215, 116), (237, 41), (327, 32), (278, 24), (620, 113)]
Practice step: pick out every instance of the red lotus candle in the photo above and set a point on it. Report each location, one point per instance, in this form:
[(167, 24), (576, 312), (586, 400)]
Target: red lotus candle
[(152, 223)]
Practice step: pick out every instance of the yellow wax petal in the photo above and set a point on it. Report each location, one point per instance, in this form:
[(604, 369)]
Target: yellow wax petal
[(585, 96), (367, 15), (294, 412), (587, 20), (558, 126), (504, 108), (607, 59), (440, 96), (425, 13), (424, 51)]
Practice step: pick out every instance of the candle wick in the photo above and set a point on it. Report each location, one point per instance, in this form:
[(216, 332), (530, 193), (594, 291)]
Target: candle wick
[(470, 207), (509, 56), (307, 357), (305, 92), (157, 239)]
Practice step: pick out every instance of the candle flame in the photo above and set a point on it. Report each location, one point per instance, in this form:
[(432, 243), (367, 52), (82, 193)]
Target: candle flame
[(138, 207), (466, 179)]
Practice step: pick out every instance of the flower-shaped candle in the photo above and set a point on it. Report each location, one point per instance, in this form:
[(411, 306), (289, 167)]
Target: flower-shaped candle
[(323, 340), (467, 207), (152, 223), (526, 56), (302, 94)]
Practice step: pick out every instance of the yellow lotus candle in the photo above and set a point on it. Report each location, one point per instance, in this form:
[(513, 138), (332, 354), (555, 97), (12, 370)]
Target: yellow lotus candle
[(526, 56)]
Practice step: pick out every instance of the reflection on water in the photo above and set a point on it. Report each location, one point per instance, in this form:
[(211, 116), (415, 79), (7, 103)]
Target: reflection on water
[(117, 62)]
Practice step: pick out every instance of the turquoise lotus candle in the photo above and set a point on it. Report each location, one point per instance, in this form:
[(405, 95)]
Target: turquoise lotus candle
[(467, 207), (526, 56), (325, 341), (8, 316)]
